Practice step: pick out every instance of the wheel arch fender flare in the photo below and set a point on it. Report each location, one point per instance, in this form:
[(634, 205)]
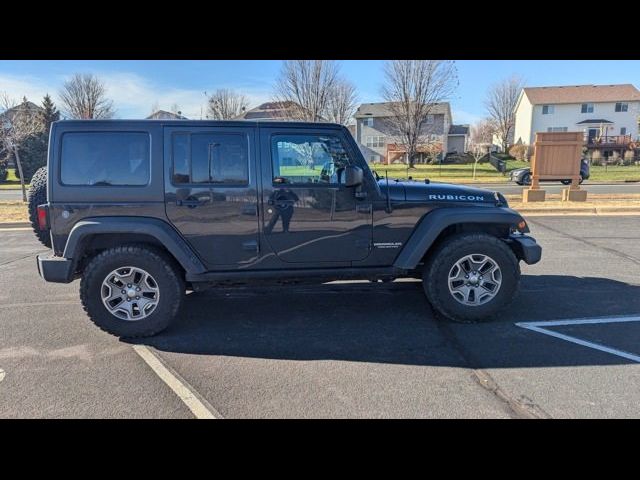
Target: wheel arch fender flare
[(436, 221), (163, 232)]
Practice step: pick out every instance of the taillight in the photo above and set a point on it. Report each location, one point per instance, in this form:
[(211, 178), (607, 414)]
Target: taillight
[(43, 217)]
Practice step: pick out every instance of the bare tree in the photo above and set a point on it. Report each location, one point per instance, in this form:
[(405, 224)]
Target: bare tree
[(84, 96), (175, 108), (480, 141), (155, 106), (306, 87), (412, 88), (225, 104), (17, 124), (342, 102), (500, 103)]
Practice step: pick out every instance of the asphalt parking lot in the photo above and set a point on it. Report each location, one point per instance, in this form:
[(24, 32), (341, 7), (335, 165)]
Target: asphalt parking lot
[(341, 349)]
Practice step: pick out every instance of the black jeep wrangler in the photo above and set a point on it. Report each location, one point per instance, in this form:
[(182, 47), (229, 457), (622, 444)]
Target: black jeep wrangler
[(144, 210)]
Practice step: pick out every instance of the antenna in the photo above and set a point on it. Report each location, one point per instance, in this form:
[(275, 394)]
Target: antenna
[(386, 175)]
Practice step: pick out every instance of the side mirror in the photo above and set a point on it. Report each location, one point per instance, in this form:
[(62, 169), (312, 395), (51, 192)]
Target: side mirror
[(353, 176)]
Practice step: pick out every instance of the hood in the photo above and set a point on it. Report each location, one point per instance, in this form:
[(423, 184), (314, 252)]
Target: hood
[(413, 191)]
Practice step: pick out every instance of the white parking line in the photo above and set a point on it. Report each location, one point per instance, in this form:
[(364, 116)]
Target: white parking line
[(180, 387), (2, 374), (540, 328)]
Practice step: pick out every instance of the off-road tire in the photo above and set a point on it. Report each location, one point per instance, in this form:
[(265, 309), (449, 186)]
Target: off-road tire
[(164, 271), (38, 196), (441, 260)]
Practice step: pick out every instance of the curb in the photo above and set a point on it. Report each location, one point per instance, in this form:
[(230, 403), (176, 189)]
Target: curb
[(579, 211), (14, 225)]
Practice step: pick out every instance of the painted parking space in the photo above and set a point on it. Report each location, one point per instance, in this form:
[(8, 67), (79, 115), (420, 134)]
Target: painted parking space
[(580, 336)]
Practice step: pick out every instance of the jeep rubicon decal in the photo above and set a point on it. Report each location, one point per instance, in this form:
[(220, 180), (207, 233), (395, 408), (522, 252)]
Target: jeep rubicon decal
[(459, 198), (149, 223)]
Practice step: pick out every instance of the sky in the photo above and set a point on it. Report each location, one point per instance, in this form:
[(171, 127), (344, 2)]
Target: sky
[(136, 86)]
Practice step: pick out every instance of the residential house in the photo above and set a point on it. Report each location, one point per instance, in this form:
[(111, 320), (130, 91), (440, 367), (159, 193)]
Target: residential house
[(381, 143), (606, 114), (271, 111), (458, 139), (6, 116), (164, 115), (496, 141)]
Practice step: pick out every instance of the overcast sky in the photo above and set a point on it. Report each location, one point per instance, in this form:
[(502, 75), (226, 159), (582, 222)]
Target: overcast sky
[(137, 85)]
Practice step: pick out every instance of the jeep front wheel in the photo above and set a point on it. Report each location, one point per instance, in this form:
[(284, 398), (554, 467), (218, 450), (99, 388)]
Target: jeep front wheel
[(131, 291), (470, 277)]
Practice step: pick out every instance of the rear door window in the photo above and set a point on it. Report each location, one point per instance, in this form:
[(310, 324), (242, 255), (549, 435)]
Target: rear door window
[(105, 158), (210, 158)]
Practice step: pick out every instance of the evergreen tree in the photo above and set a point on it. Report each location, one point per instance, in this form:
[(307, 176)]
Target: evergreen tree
[(50, 114)]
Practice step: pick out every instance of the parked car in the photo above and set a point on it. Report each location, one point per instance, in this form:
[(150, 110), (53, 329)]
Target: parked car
[(522, 176), (142, 211)]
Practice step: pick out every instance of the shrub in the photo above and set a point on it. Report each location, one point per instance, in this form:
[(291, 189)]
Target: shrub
[(33, 155), (629, 157), (596, 158), (3, 170), (521, 151), (615, 159)]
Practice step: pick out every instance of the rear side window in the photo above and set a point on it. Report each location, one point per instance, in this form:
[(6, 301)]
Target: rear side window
[(105, 158), (209, 158)]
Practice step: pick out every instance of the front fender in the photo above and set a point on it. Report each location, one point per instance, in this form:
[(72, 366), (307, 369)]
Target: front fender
[(432, 225), (161, 231)]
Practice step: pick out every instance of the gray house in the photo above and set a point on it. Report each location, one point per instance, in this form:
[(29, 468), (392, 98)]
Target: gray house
[(380, 142), (458, 139)]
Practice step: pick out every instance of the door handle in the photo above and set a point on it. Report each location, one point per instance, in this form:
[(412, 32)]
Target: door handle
[(366, 208), (190, 203)]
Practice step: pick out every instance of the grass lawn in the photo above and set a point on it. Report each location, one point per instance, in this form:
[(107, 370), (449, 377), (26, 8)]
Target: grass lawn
[(13, 212), (12, 182), (485, 173), (615, 173)]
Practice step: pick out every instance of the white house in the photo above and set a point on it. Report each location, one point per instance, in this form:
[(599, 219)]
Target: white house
[(607, 114)]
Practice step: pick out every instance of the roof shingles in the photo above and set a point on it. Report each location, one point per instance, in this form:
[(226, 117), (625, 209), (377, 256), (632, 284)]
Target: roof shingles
[(582, 93)]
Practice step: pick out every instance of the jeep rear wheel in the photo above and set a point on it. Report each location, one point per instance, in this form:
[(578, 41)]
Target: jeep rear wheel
[(471, 277), (38, 196), (131, 291)]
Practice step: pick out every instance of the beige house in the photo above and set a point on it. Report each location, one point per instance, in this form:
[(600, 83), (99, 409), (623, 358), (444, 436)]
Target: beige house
[(606, 114)]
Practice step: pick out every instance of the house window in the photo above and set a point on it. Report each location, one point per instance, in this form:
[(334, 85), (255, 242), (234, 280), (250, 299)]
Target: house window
[(557, 129), (623, 130), (622, 107), (547, 109), (368, 122), (375, 141), (429, 120), (587, 108)]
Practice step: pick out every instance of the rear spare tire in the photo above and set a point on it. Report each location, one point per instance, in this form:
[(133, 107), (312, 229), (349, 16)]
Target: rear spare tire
[(38, 196)]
